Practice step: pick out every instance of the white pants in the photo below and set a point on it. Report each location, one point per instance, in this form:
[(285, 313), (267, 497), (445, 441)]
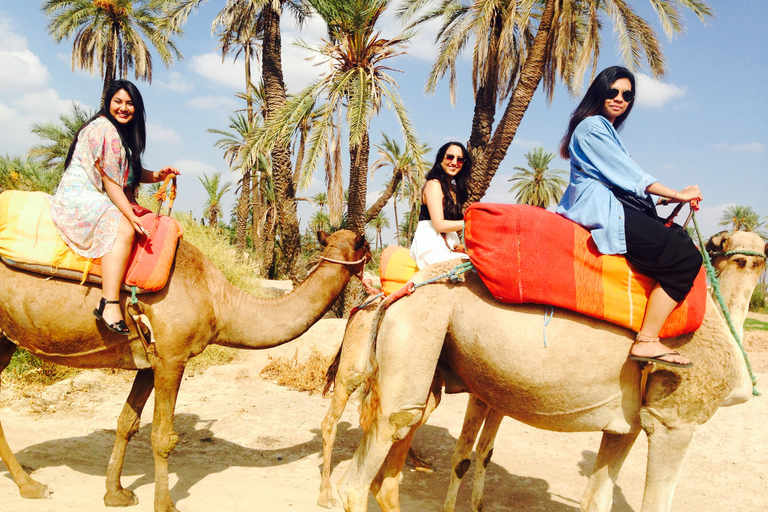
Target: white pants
[(430, 247)]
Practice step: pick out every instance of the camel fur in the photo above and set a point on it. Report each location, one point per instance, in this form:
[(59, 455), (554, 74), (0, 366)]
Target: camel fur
[(345, 375), (53, 319), (582, 380)]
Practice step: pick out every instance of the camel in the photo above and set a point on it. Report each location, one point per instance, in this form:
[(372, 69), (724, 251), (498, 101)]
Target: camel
[(345, 374), (582, 380), (53, 319)]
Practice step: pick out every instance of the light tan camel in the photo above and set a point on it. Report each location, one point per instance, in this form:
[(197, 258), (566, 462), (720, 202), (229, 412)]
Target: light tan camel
[(582, 380), (345, 375), (53, 319)]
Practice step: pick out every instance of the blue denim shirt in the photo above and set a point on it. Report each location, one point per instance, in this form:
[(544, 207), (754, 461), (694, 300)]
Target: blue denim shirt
[(598, 157)]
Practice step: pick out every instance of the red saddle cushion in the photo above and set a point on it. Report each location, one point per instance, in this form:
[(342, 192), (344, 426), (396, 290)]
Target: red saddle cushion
[(528, 254)]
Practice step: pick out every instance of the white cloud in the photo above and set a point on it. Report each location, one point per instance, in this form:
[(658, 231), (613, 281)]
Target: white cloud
[(159, 133), (214, 103), (22, 69), (190, 168), (229, 73), (175, 82), (655, 94), (749, 147)]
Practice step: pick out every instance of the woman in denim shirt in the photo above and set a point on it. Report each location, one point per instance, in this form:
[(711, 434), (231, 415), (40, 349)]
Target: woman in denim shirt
[(599, 160)]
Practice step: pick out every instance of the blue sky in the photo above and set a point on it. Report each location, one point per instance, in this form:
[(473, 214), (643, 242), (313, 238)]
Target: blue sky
[(705, 124)]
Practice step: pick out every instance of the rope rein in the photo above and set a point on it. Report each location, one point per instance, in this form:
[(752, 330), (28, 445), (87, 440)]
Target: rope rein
[(712, 275)]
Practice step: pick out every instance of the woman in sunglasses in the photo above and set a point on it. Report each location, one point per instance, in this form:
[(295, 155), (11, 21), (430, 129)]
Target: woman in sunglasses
[(441, 216), (601, 173)]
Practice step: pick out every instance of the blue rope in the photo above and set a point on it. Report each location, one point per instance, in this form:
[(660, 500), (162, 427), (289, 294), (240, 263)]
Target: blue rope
[(548, 314), (716, 290)]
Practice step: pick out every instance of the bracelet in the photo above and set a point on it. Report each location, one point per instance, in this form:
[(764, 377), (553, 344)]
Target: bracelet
[(675, 191)]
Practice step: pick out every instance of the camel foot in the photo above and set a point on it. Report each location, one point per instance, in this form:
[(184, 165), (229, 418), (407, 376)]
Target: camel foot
[(326, 501), (34, 490), (120, 498), (419, 464)]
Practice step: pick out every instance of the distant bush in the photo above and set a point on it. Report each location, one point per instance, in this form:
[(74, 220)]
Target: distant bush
[(759, 302), (307, 376)]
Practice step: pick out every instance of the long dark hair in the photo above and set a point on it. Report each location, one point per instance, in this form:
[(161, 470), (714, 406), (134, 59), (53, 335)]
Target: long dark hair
[(452, 210), (133, 134), (594, 100)]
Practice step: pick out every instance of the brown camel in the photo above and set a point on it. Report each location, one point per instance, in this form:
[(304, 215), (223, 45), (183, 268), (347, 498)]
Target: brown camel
[(582, 380), (53, 319)]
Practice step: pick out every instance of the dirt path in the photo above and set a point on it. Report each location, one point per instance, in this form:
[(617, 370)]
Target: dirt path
[(249, 445)]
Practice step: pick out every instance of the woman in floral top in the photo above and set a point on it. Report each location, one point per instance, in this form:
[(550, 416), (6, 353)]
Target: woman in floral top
[(93, 205)]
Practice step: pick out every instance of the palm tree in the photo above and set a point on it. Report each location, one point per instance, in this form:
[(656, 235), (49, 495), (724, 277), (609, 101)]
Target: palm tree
[(538, 185), (405, 167), (232, 142), (60, 136), (215, 190), (320, 200), (566, 43), (378, 223), (358, 82), (269, 12), (320, 222), (741, 218), (109, 35)]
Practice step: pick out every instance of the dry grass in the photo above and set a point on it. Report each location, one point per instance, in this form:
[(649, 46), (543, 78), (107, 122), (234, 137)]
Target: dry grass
[(213, 355), (307, 376)]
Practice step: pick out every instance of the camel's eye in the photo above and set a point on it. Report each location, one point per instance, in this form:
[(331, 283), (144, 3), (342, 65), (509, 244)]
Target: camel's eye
[(740, 261)]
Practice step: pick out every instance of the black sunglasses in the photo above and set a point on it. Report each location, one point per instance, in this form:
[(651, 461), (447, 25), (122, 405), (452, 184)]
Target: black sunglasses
[(627, 95), (459, 159)]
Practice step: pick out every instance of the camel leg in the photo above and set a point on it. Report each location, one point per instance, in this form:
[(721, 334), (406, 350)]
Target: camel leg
[(386, 485), (666, 451), (329, 426), (28, 488), (164, 439), (484, 453), (460, 461), (614, 449), (127, 426)]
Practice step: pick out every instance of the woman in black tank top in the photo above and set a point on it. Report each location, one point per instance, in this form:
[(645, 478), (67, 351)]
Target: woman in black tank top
[(441, 216)]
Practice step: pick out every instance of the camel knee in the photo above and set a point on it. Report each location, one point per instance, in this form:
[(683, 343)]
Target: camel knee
[(353, 382), (404, 420), (165, 444), (461, 468)]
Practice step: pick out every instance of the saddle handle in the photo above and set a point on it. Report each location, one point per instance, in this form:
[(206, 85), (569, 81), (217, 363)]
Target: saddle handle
[(163, 193)]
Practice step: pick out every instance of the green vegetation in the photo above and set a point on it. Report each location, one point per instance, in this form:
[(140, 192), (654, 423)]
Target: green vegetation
[(750, 324)]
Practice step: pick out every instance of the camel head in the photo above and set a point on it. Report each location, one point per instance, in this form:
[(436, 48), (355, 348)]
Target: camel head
[(341, 243), (743, 251)]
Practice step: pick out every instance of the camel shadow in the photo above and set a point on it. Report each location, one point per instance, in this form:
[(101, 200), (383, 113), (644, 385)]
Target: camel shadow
[(503, 490), (199, 454)]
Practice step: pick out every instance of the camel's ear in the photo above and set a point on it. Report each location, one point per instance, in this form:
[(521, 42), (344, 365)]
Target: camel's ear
[(360, 242), (717, 243), (322, 238), (766, 250)]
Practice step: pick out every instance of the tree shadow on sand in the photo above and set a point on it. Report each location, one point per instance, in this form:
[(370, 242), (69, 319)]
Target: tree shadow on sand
[(503, 490), (199, 454)]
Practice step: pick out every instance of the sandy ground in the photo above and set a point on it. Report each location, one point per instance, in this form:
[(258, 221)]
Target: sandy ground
[(249, 445)]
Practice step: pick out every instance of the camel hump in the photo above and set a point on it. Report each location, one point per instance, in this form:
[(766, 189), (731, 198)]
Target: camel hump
[(526, 254), (29, 240)]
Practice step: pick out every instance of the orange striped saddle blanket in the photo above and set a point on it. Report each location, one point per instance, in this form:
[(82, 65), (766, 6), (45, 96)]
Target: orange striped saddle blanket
[(528, 254), (29, 240)]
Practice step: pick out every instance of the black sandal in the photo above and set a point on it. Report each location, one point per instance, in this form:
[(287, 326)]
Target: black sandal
[(118, 327)]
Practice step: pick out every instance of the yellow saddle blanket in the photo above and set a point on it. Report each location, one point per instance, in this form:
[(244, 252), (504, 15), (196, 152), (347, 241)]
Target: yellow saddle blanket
[(29, 240)]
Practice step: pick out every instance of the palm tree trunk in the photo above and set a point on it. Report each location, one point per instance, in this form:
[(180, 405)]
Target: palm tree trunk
[(382, 201), (397, 227), (358, 185), (285, 194), (245, 191), (485, 100), (530, 77)]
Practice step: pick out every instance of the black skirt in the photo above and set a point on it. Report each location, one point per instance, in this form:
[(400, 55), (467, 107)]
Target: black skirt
[(666, 254)]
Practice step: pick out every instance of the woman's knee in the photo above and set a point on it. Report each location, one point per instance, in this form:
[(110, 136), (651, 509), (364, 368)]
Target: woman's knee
[(125, 231)]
